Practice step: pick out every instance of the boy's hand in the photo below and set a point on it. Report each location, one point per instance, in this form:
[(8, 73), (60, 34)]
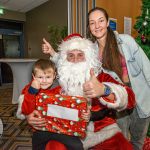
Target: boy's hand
[(36, 84), (35, 120)]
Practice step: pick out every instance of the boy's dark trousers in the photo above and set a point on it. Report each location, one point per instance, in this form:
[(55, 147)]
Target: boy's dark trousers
[(41, 138)]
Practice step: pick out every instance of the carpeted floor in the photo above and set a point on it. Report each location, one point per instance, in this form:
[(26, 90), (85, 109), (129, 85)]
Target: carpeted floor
[(16, 133)]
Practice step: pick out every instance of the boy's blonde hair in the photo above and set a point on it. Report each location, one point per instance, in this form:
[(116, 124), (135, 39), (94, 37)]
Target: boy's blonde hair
[(43, 64)]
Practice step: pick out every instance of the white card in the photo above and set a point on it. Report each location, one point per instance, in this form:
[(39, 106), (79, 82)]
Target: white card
[(62, 112)]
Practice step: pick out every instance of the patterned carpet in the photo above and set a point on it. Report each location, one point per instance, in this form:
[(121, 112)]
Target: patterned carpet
[(16, 133)]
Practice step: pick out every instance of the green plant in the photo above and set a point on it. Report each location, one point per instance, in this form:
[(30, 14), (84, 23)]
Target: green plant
[(57, 34)]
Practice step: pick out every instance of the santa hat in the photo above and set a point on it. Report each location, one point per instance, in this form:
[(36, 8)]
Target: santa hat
[(72, 36), (75, 42)]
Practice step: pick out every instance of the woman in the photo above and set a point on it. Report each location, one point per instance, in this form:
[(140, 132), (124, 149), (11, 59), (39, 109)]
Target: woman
[(120, 54)]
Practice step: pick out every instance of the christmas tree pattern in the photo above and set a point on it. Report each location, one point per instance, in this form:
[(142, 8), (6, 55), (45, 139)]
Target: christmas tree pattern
[(143, 27)]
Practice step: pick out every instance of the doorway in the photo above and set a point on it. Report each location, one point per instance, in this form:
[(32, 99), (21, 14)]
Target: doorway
[(11, 46)]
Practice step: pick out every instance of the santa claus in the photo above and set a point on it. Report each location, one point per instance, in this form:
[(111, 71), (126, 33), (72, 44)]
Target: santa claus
[(80, 74)]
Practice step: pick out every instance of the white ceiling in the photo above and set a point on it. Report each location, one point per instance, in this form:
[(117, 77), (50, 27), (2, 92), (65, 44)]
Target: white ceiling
[(20, 5)]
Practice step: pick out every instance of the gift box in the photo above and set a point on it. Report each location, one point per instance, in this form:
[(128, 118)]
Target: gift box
[(63, 113)]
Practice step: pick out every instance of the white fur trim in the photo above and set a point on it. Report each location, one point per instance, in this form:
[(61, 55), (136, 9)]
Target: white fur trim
[(19, 110), (121, 97), (94, 138), (54, 58), (90, 126), (76, 43)]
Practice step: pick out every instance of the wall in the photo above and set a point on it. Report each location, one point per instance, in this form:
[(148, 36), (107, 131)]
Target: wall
[(118, 9), (55, 12), (37, 21), (13, 15)]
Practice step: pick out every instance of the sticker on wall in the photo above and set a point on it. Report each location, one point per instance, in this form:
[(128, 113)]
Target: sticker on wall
[(113, 23), (127, 25)]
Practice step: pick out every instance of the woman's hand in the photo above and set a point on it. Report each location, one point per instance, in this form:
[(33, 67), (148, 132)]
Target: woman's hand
[(35, 120), (47, 48)]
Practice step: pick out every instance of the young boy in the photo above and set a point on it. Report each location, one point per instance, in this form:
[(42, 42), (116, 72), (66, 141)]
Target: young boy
[(44, 73)]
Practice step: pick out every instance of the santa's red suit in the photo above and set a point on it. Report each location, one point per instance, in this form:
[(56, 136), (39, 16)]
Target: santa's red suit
[(107, 134), (103, 134)]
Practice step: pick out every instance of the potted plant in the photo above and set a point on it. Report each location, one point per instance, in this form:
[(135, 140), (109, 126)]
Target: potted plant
[(57, 33)]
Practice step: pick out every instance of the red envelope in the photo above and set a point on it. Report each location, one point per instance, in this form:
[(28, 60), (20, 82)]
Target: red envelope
[(63, 113)]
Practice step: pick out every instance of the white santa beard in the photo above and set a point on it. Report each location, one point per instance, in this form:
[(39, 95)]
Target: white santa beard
[(72, 76)]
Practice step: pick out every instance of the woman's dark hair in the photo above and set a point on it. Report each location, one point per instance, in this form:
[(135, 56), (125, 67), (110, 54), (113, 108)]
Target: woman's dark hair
[(111, 57)]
